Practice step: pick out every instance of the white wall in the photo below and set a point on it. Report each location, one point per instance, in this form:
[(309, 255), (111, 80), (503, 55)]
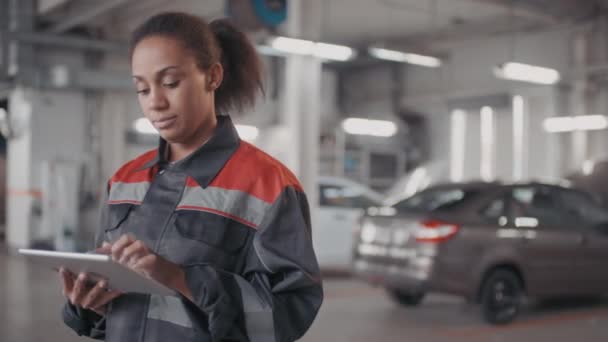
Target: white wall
[(467, 73), (51, 126), (58, 128), (468, 69)]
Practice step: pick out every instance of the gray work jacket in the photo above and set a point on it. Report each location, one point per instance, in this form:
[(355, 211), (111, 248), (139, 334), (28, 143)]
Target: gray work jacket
[(238, 223)]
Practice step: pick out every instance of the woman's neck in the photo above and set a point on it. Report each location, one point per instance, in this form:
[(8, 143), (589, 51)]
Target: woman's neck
[(179, 151)]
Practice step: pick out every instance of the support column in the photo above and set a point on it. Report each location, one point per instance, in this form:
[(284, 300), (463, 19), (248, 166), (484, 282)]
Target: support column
[(580, 139), (302, 97), (4, 5), (20, 195)]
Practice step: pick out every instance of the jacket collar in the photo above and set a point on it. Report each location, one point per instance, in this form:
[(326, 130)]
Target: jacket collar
[(206, 162)]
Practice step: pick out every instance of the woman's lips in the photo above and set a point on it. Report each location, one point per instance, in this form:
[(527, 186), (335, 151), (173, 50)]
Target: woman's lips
[(165, 123)]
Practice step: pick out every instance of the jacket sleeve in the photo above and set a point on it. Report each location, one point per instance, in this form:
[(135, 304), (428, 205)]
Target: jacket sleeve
[(280, 292), (87, 322)]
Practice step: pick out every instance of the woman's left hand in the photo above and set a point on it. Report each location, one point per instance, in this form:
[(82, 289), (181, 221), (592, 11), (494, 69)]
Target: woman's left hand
[(134, 254)]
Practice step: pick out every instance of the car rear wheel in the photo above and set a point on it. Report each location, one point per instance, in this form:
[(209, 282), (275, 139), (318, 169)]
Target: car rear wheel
[(501, 295), (406, 298)]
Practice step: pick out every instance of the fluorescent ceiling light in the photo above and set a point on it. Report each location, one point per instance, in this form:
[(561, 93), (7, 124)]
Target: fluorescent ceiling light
[(144, 126), (377, 128), (588, 166), (575, 123), (293, 45), (268, 51), (458, 130), (247, 132), (487, 135), (404, 57), (308, 47), (527, 73), (333, 52), (520, 138)]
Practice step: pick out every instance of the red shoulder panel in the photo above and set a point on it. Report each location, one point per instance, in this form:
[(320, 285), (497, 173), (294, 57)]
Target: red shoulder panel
[(131, 172), (253, 171)]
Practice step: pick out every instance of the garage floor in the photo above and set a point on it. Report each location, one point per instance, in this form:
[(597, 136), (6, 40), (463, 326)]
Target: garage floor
[(30, 300)]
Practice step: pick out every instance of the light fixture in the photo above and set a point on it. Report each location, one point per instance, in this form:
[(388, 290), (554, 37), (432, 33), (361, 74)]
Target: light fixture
[(487, 143), (292, 45), (527, 73), (520, 138), (247, 132), (458, 127), (377, 128), (333, 52), (404, 57), (588, 167), (304, 47), (268, 51), (560, 124), (144, 126)]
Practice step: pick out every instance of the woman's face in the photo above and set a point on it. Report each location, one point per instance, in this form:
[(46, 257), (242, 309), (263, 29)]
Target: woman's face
[(174, 94)]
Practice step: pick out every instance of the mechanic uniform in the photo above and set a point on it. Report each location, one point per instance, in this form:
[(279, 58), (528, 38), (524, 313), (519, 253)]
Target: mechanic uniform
[(238, 223)]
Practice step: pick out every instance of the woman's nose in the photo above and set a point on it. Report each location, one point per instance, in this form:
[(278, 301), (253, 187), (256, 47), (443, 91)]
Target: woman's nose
[(157, 99)]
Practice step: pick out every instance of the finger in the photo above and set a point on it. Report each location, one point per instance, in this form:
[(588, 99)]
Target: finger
[(106, 248), (104, 297), (146, 265), (67, 279), (79, 290), (133, 252), (120, 244), (93, 295)]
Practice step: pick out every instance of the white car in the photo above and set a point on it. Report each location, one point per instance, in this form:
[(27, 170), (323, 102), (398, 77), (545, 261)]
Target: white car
[(341, 204)]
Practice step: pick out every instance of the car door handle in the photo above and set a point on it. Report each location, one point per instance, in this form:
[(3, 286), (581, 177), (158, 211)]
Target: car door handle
[(340, 217)]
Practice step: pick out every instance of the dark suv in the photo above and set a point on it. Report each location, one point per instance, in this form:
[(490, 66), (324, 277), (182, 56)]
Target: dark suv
[(490, 243)]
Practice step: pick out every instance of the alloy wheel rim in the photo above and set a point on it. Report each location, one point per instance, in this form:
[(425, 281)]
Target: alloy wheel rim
[(503, 299)]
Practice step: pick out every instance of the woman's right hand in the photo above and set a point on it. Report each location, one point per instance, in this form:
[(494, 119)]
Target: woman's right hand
[(80, 293)]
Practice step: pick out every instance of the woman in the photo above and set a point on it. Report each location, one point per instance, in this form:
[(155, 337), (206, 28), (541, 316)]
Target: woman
[(208, 215)]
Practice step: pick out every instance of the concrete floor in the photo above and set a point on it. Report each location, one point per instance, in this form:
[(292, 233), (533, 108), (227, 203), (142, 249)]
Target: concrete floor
[(30, 300)]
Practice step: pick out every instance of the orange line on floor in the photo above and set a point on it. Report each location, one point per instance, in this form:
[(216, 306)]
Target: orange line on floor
[(25, 192)]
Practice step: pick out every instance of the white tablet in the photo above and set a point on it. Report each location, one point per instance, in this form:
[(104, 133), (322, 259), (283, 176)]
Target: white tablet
[(98, 266)]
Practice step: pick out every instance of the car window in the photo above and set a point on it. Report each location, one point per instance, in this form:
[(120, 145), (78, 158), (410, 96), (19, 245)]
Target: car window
[(538, 203), (495, 209), (345, 197), (435, 200), (582, 207)]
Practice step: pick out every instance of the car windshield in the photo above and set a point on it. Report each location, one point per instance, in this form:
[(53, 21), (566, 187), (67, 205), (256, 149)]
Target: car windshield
[(435, 200)]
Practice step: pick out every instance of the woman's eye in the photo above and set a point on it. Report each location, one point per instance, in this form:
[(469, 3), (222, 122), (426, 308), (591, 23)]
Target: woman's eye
[(171, 84), (143, 92)]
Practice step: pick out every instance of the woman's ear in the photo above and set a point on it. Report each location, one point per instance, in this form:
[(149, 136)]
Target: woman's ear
[(216, 76)]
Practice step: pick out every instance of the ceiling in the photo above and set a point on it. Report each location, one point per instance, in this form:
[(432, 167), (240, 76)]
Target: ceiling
[(347, 21)]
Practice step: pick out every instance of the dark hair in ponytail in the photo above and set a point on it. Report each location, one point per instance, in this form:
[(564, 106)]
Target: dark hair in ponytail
[(218, 41)]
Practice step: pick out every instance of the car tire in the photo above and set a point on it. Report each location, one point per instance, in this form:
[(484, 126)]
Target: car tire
[(501, 295), (406, 298)]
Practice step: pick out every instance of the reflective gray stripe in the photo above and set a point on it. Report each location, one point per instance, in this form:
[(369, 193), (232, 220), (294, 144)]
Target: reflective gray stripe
[(258, 315), (121, 192), (234, 203), (169, 309)]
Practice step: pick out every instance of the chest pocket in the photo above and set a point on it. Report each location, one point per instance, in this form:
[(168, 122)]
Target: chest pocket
[(117, 215), (207, 238)]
